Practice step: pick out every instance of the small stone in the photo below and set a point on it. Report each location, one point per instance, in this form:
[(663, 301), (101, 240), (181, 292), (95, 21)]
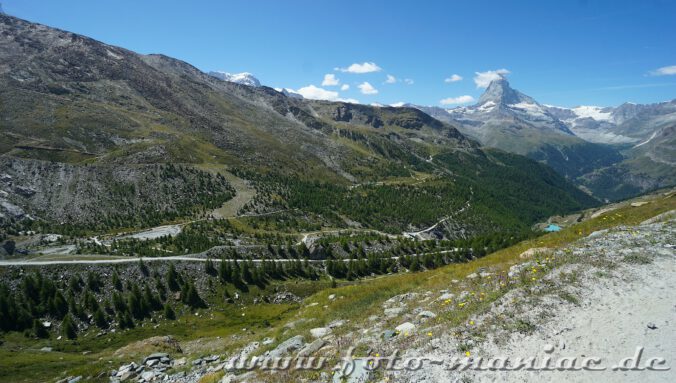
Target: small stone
[(126, 375), (46, 349), (268, 341), (332, 297), (473, 276), (393, 312), (179, 362), (197, 362), (652, 326), (148, 375), (336, 323), (427, 314), (446, 296), (389, 334)]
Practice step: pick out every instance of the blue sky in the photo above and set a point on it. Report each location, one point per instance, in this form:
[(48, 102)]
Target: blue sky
[(560, 52)]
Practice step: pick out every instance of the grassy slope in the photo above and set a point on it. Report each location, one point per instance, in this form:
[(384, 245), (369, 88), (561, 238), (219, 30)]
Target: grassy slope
[(20, 359)]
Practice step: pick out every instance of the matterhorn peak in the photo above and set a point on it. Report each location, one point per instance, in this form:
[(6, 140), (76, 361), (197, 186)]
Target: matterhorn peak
[(499, 92)]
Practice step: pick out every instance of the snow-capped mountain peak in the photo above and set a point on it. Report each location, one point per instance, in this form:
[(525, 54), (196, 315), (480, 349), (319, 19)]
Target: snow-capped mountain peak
[(499, 92), (244, 78)]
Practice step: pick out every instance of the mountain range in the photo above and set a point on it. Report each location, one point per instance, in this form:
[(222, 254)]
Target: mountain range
[(87, 128), (613, 152)]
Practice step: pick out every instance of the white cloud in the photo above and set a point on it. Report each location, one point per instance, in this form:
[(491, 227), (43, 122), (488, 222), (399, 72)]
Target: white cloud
[(367, 88), (398, 104), (330, 80), (344, 87), (390, 79), (453, 78), (317, 93), (457, 100), (408, 81), (366, 67), (483, 79), (664, 71)]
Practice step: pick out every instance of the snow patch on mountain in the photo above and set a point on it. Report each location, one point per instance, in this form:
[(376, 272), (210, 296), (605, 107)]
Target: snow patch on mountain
[(244, 78), (595, 112), (530, 108)]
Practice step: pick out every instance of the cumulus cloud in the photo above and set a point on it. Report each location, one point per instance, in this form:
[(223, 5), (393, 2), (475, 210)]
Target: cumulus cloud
[(408, 81), (453, 78), (390, 79), (367, 88), (317, 93), (344, 87), (365, 67), (483, 79), (330, 80), (664, 71), (457, 100)]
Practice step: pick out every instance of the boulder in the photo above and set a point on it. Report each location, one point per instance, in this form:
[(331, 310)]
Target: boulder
[(320, 332), (530, 253), (24, 191), (405, 328), (312, 348), (148, 375), (289, 345)]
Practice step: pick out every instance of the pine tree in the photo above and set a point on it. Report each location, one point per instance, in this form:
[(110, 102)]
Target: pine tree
[(209, 268), (172, 278), (117, 283), (142, 266), (68, 328), (39, 329), (169, 312), (100, 319)]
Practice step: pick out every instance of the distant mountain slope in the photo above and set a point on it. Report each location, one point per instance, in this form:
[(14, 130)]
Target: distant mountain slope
[(98, 110), (592, 145)]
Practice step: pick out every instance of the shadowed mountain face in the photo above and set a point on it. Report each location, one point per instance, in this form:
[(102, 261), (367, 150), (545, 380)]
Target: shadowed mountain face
[(592, 145), (100, 111)]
